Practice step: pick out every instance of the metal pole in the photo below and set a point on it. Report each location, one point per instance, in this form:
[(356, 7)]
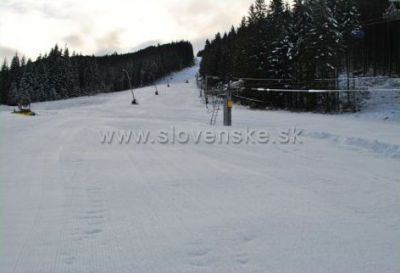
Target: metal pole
[(130, 86), (228, 106), (156, 92), (206, 88)]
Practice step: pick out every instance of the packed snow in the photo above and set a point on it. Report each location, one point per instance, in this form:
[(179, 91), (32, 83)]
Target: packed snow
[(72, 204), (384, 103)]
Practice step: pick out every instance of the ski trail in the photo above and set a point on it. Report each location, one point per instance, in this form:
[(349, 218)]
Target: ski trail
[(70, 204)]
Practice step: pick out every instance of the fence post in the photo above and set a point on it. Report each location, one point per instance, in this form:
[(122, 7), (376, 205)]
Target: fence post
[(228, 104)]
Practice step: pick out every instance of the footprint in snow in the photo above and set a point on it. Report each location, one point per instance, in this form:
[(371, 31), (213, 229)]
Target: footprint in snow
[(92, 217), (93, 231), (242, 258), (95, 211), (198, 252), (70, 260), (97, 223)]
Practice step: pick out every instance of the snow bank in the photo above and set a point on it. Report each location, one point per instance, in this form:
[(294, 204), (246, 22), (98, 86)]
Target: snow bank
[(380, 105)]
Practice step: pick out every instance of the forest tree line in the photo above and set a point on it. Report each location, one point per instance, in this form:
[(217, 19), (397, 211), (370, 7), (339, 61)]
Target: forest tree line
[(303, 42), (61, 75)]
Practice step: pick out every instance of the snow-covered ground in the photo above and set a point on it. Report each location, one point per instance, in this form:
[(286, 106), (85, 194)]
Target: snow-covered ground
[(71, 204), (382, 101)]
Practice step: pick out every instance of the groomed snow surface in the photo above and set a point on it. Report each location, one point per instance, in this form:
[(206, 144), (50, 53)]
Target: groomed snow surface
[(71, 204)]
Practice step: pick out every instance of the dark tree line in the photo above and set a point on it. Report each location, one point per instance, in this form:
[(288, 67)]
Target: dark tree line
[(379, 52), (59, 75), (312, 39), (304, 41), (372, 9)]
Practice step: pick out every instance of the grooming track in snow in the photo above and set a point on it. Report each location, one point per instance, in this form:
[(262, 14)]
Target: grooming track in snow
[(70, 204)]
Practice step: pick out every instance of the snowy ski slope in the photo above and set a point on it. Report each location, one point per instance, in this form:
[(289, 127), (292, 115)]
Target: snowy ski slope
[(71, 204)]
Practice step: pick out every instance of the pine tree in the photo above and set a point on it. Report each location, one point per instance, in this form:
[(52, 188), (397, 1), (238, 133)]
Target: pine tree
[(302, 25), (258, 37), (23, 61), (4, 82), (214, 68), (42, 81), (15, 69), (348, 18), (13, 95), (27, 82), (324, 39), (26, 86), (205, 56), (230, 48), (252, 17), (241, 59), (73, 72), (282, 44), (260, 9)]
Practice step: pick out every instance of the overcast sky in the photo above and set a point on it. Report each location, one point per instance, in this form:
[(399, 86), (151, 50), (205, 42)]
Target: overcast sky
[(31, 27)]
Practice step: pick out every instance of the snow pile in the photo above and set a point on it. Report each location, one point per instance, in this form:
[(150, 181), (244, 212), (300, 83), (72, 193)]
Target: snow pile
[(383, 105)]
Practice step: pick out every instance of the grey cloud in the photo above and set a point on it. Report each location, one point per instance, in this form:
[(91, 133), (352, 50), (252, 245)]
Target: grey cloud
[(195, 18), (6, 52), (205, 16), (191, 13), (17, 7), (53, 9), (74, 40), (109, 43)]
